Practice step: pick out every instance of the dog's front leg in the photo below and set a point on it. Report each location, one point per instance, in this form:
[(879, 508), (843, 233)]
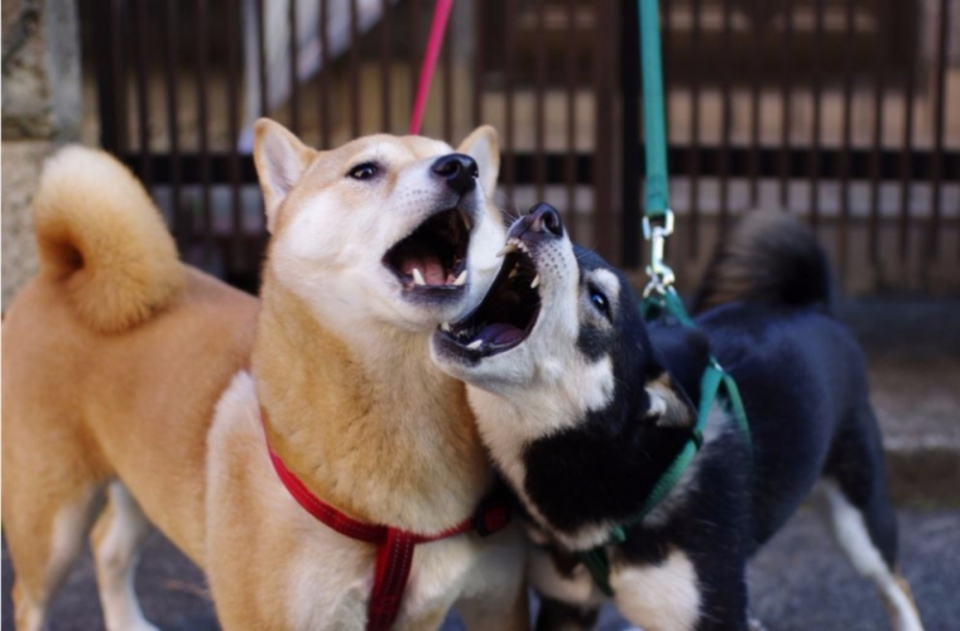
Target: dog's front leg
[(495, 597), (507, 611), (674, 594)]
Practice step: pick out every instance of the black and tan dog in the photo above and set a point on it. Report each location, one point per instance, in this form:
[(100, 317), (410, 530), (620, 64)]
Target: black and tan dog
[(584, 407)]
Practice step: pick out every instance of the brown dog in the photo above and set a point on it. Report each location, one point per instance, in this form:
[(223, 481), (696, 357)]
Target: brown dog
[(129, 372)]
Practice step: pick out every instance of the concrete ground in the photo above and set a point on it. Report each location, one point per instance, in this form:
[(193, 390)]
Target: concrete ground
[(800, 580)]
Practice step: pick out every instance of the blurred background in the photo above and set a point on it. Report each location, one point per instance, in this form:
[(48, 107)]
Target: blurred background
[(845, 113)]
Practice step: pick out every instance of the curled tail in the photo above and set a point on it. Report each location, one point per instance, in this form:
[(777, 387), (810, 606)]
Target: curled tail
[(769, 257), (103, 241)]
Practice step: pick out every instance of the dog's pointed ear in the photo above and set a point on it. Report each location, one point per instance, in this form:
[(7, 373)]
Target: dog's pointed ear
[(281, 159), (482, 146), (669, 404)]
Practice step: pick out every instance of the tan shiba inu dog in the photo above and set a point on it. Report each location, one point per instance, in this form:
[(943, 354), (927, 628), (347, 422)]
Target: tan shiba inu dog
[(134, 384)]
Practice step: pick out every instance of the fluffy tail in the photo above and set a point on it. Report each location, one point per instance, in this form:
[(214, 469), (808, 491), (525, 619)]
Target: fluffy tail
[(770, 257), (103, 241)]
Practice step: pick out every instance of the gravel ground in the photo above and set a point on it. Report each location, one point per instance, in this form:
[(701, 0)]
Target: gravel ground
[(799, 581)]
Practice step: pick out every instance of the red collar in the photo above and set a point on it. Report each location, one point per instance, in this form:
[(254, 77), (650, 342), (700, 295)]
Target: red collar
[(394, 546)]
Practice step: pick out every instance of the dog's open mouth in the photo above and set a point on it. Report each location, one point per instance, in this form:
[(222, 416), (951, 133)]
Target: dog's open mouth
[(508, 312), (433, 257)]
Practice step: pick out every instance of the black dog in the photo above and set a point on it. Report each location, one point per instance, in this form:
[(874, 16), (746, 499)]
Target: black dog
[(584, 408)]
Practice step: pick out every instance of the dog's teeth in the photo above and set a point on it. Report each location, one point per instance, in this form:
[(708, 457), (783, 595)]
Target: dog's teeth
[(461, 279), (465, 216), (474, 345), (418, 277), (536, 281), (445, 327), (507, 249)]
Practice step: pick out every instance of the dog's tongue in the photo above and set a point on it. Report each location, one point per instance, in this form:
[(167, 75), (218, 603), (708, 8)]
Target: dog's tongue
[(429, 266), (500, 333)]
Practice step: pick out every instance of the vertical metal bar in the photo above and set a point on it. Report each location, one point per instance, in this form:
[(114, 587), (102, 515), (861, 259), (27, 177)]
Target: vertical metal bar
[(386, 36), (756, 42), (906, 171), (570, 162), (540, 175), (880, 69), (325, 72), (478, 43), (605, 68), (510, 175), (786, 49), (632, 163), (262, 58), (111, 91), (181, 225), (695, 54), (237, 256), (843, 229), (416, 50), (726, 114), (936, 162), (202, 123), (447, 51), (143, 94), (354, 70), (294, 63), (814, 164)]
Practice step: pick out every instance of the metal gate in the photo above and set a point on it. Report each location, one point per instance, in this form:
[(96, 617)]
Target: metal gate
[(846, 112)]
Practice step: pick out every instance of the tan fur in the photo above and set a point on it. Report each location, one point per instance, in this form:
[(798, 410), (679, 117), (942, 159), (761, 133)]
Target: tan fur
[(101, 238), (118, 363), (371, 450), (667, 404)]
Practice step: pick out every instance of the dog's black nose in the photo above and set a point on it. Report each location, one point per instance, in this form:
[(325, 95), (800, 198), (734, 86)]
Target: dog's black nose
[(545, 217), (458, 170)]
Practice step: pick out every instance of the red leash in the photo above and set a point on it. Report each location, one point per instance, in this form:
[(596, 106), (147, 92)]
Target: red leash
[(395, 547), (441, 15)]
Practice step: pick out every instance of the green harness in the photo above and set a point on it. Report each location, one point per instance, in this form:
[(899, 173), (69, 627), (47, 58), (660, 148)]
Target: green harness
[(660, 297)]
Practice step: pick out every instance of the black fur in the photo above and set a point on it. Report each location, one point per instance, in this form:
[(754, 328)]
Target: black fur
[(769, 259), (613, 445), (804, 385)]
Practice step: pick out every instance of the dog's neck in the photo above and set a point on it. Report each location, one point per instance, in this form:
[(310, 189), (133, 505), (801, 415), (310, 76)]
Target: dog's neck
[(387, 439)]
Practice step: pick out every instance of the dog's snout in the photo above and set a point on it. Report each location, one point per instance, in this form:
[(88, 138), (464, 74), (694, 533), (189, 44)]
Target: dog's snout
[(545, 218), (458, 170)]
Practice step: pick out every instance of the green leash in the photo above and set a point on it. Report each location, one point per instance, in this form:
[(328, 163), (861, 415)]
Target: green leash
[(659, 296), (654, 124)]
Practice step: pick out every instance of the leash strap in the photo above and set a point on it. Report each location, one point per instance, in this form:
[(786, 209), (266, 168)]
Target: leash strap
[(395, 547), (438, 27), (660, 296), (654, 121)]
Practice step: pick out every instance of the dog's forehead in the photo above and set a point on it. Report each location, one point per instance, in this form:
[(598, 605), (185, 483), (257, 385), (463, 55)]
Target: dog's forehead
[(595, 269), (392, 150)]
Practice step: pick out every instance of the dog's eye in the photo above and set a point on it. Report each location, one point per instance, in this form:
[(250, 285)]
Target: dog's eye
[(363, 171), (600, 302)]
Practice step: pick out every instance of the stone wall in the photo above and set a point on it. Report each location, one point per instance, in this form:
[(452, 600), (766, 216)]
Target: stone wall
[(41, 110)]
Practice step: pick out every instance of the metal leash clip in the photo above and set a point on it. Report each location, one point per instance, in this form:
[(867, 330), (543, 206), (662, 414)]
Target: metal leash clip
[(661, 276)]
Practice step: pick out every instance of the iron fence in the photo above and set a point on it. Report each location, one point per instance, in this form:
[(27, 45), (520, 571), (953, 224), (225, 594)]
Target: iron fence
[(846, 112)]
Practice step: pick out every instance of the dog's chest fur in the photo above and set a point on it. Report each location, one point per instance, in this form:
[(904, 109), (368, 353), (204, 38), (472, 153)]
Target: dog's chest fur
[(329, 575)]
